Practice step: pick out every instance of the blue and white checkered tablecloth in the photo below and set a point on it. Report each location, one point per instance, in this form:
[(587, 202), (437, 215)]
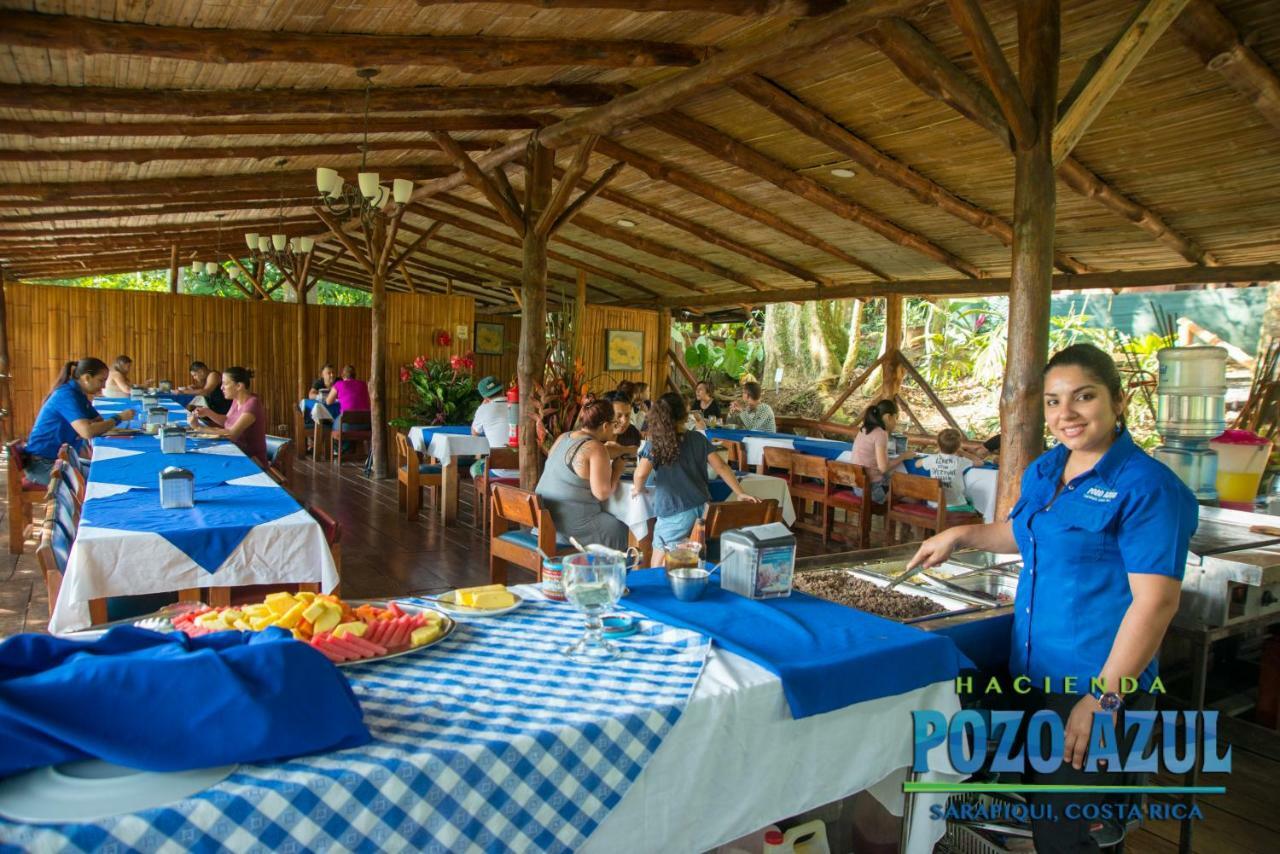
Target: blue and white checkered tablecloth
[(491, 741)]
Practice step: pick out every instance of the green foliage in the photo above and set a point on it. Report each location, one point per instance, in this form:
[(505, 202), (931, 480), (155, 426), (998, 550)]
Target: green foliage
[(440, 391), (733, 358), (331, 293), (218, 285)]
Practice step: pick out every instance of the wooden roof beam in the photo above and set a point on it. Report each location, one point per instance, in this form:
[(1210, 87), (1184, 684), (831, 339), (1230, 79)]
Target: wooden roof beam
[(568, 183), (165, 231), (515, 263), (192, 186), (1206, 31), (659, 171), (675, 89), (129, 200), (204, 103), (130, 210), (840, 139), (476, 228), (744, 157), (474, 54), (1118, 279), (995, 68), (710, 235), (221, 152), (1096, 85), (739, 8), (283, 127), (506, 206), (590, 192), (924, 65)]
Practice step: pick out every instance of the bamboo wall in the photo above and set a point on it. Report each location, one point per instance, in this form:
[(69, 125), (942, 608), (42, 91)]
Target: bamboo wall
[(163, 333), (600, 318)]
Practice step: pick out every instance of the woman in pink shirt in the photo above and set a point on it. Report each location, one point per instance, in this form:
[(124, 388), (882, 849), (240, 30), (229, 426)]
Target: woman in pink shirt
[(246, 422), (871, 448), (352, 394)]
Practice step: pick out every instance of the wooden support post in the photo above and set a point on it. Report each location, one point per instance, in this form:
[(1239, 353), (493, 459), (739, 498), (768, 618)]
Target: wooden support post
[(301, 287), (531, 364), (173, 269), (890, 366), (1021, 408), (664, 337), (850, 389), (6, 397), (377, 378), (929, 392)]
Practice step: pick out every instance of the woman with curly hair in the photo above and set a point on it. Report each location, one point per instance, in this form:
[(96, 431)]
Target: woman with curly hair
[(679, 459)]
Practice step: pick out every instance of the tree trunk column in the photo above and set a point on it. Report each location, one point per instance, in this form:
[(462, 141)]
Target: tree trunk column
[(1021, 407), (377, 372), (891, 371), (531, 364), (6, 400), (304, 387), (173, 269)]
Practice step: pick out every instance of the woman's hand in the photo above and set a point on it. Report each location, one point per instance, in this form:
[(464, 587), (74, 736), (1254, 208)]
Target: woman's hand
[(201, 412), (1075, 743), (614, 450), (126, 415), (748, 499), (937, 548)]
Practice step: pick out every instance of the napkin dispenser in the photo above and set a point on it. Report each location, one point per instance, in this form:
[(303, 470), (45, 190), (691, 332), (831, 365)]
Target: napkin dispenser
[(173, 439), (177, 488), (157, 415), (149, 399), (758, 561), (137, 392)]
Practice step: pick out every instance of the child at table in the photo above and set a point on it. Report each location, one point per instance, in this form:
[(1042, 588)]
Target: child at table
[(678, 458), (949, 466)]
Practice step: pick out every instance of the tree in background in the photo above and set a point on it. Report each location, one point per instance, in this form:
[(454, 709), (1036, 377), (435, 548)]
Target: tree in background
[(202, 284)]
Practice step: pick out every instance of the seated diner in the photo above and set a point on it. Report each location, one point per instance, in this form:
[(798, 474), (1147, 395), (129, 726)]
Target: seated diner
[(207, 383), (582, 470), (118, 384), (324, 383), (67, 417), (245, 423)]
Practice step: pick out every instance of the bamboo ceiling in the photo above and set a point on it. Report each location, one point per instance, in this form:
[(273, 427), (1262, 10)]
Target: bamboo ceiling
[(128, 128)]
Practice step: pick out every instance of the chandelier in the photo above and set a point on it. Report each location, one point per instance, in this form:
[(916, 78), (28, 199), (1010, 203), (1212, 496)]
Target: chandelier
[(367, 197), (213, 268)]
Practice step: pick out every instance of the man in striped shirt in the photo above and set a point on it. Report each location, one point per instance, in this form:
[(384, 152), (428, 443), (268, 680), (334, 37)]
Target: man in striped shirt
[(751, 413)]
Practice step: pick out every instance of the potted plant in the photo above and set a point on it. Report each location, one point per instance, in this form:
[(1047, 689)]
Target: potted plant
[(441, 391), (556, 403)]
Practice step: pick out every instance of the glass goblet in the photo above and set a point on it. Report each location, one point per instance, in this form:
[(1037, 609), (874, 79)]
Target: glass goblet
[(593, 583)]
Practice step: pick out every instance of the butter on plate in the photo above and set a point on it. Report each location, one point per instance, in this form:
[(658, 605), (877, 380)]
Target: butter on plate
[(489, 597)]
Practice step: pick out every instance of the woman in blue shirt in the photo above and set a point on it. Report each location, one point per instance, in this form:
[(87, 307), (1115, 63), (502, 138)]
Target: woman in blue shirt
[(1103, 530), (67, 417)]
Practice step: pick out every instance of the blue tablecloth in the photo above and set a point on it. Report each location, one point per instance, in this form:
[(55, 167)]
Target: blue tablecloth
[(828, 656), (739, 435), (169, 703), (143, 469), (108, 406), (309, 404), (491, 741)]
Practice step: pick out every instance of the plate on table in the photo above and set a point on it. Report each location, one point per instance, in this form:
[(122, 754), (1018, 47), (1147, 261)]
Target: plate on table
[(123, 431), (204, 434), (449, 605), (186, 617)]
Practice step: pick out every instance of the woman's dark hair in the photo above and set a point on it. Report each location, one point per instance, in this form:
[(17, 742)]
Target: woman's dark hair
[(348, 372), (665, 416), (327, 366), (199, 366), (711, 389), (874, 416), (627, 389), (595, 414), (121, 361), (238, 374), (752, 390), (88, 366)]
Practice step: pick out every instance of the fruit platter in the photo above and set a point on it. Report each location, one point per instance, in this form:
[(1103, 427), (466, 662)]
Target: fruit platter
[(344, 631)]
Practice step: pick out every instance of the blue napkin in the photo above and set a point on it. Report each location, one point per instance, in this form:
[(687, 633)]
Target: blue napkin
[(223, 515), (739, 435), (828, 656), (166, 702), (825, 448)]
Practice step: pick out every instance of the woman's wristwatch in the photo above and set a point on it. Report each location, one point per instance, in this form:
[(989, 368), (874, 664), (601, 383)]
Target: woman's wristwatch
[(1110, 701)]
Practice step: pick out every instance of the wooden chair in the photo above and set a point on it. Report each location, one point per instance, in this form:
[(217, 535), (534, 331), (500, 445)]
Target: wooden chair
[(513, 511), (809, 485), (412, 474), (23, 496), (280, 458), (499, 459), (62, 504), (842, 481), (350, 427), (737, 453), (74, 471), (907, 494), (724, 516), (775, 461)]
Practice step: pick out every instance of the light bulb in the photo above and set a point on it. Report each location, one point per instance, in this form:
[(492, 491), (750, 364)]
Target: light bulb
[(402, 189), (264, 243), (210, 267), (195, 268), (324, 179), (368, 184), (307, 244), (252, 239), (279, 241)]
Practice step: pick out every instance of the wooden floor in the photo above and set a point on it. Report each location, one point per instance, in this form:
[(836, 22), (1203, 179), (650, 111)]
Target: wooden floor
[(383, 554)]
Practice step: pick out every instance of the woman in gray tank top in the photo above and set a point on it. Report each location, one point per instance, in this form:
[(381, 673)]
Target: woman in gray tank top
[(582, 471)]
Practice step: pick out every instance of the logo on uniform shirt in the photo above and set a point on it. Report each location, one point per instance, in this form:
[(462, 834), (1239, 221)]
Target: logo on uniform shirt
[(1103, 496)]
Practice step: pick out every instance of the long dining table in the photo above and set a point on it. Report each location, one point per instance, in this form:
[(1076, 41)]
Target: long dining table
[(243, 529)]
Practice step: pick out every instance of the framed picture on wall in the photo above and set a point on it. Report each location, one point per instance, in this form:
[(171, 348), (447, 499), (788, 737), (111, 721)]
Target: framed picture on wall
[(623, 350), (489, 338)]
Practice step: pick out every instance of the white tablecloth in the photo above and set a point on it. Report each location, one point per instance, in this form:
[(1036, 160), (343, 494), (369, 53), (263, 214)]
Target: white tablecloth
[(446, 446), (636, 511), (113, 562), (737, 761)]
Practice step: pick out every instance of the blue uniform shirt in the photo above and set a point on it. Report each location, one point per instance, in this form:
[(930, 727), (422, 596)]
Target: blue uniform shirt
[(53, 429), (1128, 514)]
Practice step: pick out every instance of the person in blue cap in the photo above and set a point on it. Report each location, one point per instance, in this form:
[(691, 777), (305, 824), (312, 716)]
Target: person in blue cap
[(1103, 530)]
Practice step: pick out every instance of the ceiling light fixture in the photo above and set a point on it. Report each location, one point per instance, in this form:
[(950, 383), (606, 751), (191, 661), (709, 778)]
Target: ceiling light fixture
[(625, 223), (841, 172)]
